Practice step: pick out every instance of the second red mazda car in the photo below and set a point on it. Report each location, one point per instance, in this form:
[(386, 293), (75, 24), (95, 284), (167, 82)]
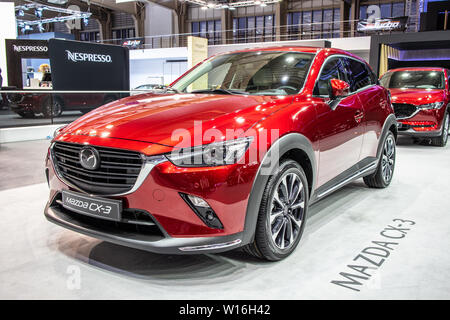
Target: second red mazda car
[(232, 155), (421, 98)]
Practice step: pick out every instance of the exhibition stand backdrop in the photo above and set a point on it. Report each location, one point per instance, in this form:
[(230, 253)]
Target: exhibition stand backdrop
[(75, 65)]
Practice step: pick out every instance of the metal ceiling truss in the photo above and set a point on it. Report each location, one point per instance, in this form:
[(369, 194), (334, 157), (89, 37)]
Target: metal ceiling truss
[(69, 14), (228, 4)]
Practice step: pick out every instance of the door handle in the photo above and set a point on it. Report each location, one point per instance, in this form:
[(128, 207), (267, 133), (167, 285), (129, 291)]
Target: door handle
[(359, 115)]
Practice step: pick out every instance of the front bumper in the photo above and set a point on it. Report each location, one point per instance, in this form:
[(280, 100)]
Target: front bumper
[(153, 243), (178, 229), (412, 133), (424, 123)]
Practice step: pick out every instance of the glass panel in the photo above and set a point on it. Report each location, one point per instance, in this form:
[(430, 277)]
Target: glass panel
[(203, 29), (294, 25), (268, 28), (336, 24), (39, 106), (306, 25), (251, 29), (267, 73), (398, 9), (359, 75), (195, 28), (218, 33), (327, 23), (317, 23), (235, 30), (363, 12), (242, 24), (417, 80), (210, 35), (334, 69), (259, 28), (385, 10)]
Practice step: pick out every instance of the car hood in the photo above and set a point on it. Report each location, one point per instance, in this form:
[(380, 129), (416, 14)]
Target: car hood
[(155, 118), (416, 96)]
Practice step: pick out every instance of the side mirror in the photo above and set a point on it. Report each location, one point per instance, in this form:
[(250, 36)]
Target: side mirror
[(338, 88)]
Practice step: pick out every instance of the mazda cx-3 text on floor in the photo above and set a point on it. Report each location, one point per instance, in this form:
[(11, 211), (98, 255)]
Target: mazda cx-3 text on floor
[(231, 155), (421, 98)]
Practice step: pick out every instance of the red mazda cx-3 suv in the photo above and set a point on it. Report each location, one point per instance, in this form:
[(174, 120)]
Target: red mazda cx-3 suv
[(231, 155), (421, 98)]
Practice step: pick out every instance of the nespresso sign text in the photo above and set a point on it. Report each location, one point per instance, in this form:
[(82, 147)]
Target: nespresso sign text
[(88, 57), (29, 48)]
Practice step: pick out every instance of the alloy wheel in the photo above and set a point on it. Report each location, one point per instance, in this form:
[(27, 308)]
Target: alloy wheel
[(388, 159), (446, 126), (287, 209), (56, 109)]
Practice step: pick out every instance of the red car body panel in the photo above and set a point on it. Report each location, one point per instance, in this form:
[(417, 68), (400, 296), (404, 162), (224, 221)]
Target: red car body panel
[(153, 118), (339, 139)]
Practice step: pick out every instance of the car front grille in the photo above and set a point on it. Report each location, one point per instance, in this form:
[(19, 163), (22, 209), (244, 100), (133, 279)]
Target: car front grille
[(117, 173), (404, 110)]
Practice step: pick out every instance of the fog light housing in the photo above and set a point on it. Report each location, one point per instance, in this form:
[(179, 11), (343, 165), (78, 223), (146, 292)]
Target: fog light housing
[(202, 210), (197, 201), (421, 125)]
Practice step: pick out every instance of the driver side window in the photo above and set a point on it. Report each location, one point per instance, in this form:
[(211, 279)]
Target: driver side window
[(333, 69)]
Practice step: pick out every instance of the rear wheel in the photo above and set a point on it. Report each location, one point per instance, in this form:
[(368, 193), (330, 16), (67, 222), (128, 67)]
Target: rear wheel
[(50, 109), (441, 141), (385, 170), (282, 214)]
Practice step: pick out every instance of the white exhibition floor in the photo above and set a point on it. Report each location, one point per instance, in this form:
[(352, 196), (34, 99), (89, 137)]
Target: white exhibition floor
[(39, 260)]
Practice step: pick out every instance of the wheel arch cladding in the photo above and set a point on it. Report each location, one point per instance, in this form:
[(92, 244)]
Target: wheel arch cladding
[(293, 146), (390, 125)]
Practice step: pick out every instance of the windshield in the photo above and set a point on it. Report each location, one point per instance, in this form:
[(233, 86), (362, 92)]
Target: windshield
[(256, 73), (413, 79)]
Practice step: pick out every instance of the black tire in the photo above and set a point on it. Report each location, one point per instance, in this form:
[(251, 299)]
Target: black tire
[(441, 141), (380, 179), (265, 246), (50, 109)]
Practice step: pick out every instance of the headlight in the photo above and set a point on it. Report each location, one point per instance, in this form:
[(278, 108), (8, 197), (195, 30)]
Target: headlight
[(434, 105), (211, 155), (58, 130)]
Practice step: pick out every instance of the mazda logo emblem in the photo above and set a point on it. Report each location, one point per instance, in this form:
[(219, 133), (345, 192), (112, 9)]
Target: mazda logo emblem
[(89, 158)]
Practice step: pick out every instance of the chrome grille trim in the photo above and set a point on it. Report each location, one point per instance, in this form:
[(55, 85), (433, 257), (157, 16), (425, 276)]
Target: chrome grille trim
[(147, 164)]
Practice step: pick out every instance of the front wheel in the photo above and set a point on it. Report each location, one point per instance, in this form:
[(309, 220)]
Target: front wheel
[(385, 170), (441, 141), (282, 213)]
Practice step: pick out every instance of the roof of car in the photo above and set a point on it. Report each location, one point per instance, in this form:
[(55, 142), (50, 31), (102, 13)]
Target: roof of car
[(418, 69), (298, 49)]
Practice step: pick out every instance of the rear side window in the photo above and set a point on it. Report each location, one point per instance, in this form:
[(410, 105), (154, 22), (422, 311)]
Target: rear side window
[(333, 69), (360, 75)]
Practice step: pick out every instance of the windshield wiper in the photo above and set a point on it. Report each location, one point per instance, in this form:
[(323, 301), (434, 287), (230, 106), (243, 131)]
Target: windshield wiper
[(219, 90)]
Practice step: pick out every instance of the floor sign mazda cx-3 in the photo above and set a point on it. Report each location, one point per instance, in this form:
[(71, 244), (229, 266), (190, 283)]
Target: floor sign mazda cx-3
[(230, 156)]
